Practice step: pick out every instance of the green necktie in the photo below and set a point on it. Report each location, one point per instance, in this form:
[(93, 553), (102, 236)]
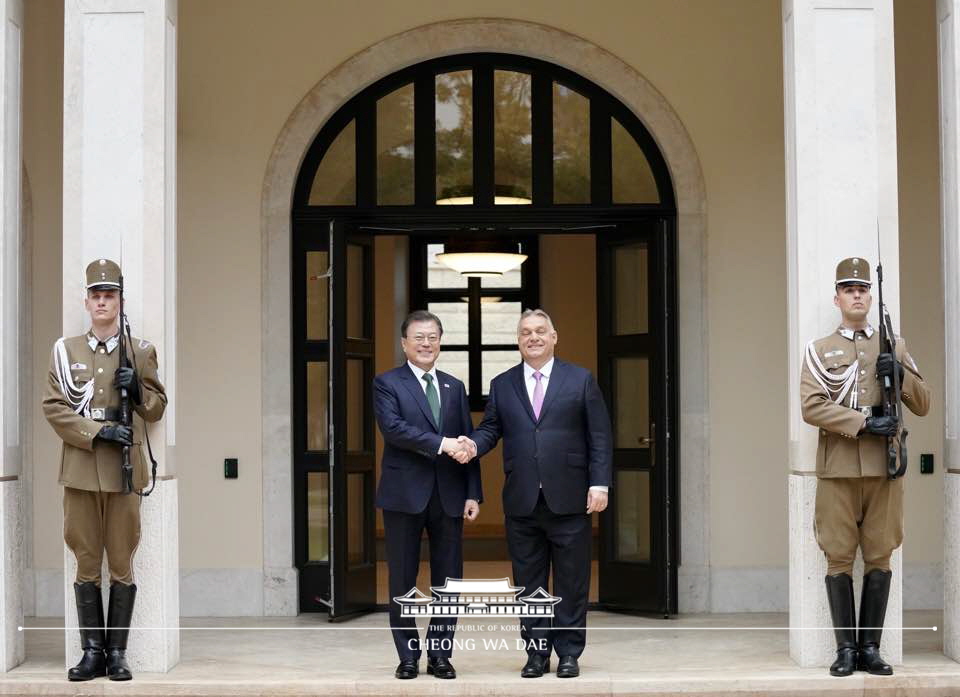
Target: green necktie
[(433, 399)]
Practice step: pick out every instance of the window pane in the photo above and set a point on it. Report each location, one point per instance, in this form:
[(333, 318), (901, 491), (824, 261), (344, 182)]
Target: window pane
[(318, 517), (631, 409), (571, 146), (317, 301), (395, 147), (356, 298), (356, 394), (633, 515), (440, 276), (335, 183), (630, 284), (512, 137), (455, 318), (454, 115), (318, 392), (457, 363), (633, 180), (357, 552), (495, 362), (498, 321)]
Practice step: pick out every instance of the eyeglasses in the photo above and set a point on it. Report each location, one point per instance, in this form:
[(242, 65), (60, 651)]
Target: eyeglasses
[(429, 338)]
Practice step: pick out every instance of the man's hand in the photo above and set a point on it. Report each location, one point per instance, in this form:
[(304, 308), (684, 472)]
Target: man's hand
[(458, 449), (471, 509), (880, 426), (127, 378), (596, 501), (116, 434), (885, 364)]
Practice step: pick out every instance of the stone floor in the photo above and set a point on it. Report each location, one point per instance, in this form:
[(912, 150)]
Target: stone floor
[(704, 655)]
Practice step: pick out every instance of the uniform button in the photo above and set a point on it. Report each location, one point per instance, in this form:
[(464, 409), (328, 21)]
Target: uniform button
[(100, 390), (101, 350), (99, 370), (863, 391), (861, 353), (863, 372)]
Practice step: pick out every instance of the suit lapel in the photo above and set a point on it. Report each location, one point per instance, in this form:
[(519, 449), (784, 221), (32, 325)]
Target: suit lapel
[(447, 409), (521, 388), (553, 387), (413, 386)]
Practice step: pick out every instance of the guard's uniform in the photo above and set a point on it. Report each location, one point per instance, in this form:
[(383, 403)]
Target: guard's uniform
[(79, 398)]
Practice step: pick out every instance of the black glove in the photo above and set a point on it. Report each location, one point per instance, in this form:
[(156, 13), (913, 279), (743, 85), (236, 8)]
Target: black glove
[(117, 433), (880, 425), (885, 363), (127, 377)]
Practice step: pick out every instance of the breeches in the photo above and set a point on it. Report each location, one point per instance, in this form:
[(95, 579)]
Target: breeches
[(98, 521), (865, 512)]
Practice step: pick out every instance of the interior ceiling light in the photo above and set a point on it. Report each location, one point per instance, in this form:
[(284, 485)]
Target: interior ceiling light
[(504, 195), (481, 258)]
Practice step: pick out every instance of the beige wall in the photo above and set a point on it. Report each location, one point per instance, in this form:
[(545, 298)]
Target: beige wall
[(243, 67)]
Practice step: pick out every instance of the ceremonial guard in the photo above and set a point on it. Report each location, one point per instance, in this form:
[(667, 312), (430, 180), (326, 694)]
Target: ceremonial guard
[(851, 388), (89, 398)]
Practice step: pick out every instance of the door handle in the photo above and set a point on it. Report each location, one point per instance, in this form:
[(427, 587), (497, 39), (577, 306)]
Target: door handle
[(648, 441)]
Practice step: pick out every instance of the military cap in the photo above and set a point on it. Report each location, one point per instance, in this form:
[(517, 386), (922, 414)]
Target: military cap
[(853, 270), (103, 273)]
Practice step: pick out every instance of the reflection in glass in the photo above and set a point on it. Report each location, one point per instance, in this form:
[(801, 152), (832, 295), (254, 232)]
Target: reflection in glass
[(631, 409), (512, 156), (455, 318), (454, 130), (356, 300), (498, 321), (356, 393), (630, 279), (356, 519), (335, 183), (395, 147), (318, 304), (495, 362), (318, 516), (439, 275), (457, 363), (318, 392), (571, 146), (633, 180), (633, 515)]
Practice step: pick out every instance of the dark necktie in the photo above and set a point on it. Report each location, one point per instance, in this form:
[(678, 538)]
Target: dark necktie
[(433, 399)]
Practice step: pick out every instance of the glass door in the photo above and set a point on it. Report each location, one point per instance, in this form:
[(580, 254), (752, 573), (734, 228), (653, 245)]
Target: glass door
[(635, 363)]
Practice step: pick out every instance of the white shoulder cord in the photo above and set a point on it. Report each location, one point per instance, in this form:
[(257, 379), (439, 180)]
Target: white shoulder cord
[(839, 385), (77, 397)]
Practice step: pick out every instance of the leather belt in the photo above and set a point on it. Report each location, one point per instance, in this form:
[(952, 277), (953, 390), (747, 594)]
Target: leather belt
[(105, 414)]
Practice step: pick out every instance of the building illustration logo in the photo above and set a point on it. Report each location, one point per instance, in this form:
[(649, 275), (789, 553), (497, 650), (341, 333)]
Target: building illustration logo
[(460, 597)]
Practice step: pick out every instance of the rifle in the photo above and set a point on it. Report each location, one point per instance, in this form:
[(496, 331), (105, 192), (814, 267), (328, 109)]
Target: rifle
[(892, 405), (126, 417)]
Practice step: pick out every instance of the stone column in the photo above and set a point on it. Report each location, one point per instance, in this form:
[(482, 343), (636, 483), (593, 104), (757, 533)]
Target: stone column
[(948, 30), (12, 343), (841, 158), (119, 174)]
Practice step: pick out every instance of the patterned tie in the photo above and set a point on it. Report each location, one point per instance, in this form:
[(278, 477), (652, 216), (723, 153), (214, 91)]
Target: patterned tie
[(433, 399), (537, 395)]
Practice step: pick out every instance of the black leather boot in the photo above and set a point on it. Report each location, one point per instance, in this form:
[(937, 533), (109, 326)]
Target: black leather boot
[(873, 609), (118, 628), (840, 597), (90, 619)]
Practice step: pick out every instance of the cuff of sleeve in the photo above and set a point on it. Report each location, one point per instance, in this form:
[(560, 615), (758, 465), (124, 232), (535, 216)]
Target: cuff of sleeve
[(597, 487)]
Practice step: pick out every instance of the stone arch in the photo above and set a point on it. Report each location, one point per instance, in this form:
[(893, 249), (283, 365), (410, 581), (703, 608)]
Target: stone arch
[(321, 102)]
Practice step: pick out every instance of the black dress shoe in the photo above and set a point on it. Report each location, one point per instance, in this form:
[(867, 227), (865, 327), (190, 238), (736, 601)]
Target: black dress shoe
[(568, 667), (441, 667), (408, 669), (536, 666)]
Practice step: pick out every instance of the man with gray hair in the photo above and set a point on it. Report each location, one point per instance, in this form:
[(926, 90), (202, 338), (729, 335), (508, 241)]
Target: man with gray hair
[(557, 457)]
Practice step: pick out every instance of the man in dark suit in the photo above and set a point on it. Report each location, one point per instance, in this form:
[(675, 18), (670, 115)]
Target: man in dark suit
[(557, 457), (420, 412)]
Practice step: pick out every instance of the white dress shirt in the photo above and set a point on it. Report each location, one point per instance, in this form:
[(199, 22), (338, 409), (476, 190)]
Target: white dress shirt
[(419, 372), (531, 383)]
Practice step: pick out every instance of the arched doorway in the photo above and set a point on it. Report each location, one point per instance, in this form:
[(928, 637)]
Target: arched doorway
[(493, 146)]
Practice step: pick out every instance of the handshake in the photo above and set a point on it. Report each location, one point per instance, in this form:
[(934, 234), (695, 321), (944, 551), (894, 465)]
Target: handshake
[(461, 449)]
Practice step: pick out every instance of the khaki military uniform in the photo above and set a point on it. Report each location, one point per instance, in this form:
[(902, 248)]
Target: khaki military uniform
[(856, 504), (96, 515)]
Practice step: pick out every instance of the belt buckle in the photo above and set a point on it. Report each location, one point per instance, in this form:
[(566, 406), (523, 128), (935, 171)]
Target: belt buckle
[(866, 411), (98, 414)]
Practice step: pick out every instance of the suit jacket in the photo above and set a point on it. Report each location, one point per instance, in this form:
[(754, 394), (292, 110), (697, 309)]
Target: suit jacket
[(89, 464), (842, 451), (410, 463), (568, 450)]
